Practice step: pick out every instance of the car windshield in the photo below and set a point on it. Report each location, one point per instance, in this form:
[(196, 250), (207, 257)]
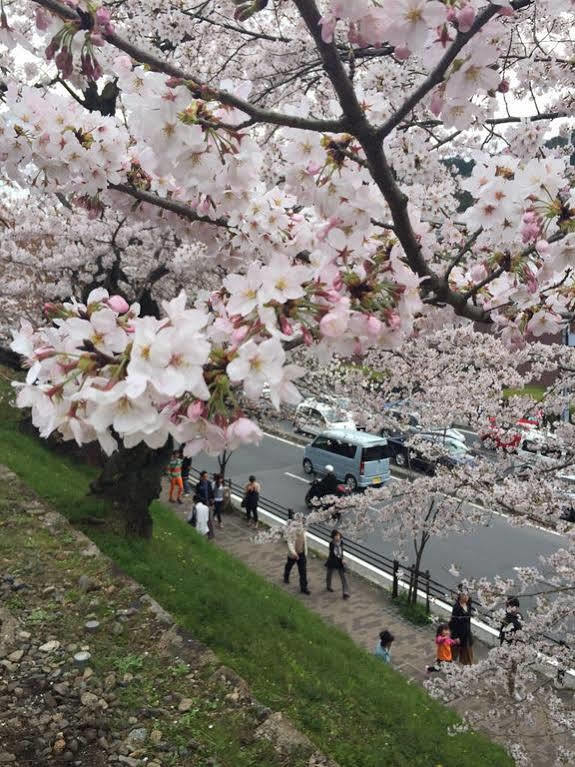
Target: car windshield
[(333, 415), (456, 448)]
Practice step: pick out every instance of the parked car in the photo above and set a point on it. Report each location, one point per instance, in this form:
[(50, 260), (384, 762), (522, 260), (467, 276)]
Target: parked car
[(403, 421), (413, 457), (314, 416), (359, 459)]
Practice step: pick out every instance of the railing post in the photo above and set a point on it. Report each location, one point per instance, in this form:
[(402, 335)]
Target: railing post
[(427, 605), (394, 590), (411, 584)]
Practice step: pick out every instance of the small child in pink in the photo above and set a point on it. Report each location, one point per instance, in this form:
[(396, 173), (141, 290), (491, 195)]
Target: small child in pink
[(443, 644)]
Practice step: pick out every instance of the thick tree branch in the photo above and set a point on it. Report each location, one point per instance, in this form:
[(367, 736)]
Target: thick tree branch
[(156, 64), (174, 206), (333, 65)]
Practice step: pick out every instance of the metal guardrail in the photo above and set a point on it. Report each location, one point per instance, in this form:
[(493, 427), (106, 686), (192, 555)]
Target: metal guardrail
[(399, 572)]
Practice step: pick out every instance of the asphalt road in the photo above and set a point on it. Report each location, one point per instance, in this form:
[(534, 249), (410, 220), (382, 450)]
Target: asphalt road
[(497, 548)]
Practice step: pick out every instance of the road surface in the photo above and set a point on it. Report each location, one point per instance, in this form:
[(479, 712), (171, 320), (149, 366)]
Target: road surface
[(494, 549)]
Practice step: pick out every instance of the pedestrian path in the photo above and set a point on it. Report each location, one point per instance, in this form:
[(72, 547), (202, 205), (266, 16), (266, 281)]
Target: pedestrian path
[(369, 611)]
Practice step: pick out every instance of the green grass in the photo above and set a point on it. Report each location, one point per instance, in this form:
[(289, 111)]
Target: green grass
[(535, 392), (356, 709)]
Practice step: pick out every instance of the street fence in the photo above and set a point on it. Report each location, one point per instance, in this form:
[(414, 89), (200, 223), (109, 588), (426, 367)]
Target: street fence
[(402, 576)]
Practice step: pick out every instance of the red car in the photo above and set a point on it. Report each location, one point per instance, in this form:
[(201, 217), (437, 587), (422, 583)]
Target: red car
[(507, 438)]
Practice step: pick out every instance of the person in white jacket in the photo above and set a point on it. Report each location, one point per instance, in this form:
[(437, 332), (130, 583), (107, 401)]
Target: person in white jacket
[(297, 550), (201, 514)]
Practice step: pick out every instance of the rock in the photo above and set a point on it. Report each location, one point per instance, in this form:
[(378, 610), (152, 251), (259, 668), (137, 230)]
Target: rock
[(48, 590), (62, 688), (117, 628), (87, 584), (129, 761), (59, 745), (263, 713), (185, 705), (156, 737), (284, 736), (89, 699), (137, 737), (110, 681), (50, 646), (92, 626), (82, 658), (7, 758), (88, 673), (16, 656)]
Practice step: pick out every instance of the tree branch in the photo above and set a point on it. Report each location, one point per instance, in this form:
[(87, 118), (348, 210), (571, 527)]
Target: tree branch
[(437, 74), (174, 206), (158, 65)]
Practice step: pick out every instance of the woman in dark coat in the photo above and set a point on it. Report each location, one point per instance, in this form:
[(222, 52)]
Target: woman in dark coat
[(335, 563), (460, 626)]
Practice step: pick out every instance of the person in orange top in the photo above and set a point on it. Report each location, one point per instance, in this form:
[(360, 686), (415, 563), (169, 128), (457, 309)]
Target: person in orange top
[(443, 645), (175, 474)]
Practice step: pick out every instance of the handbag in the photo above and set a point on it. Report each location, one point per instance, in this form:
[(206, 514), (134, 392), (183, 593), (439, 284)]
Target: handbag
[(244, 502)]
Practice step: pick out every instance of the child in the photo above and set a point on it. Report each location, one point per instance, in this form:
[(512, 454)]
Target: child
[(443, 643), (383, 649), (175, 474)]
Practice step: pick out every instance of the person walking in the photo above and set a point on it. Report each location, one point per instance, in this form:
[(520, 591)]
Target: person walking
[(205, 492), (175, 474), (383, 647), (460, 625), (297, 550), (251, 500), (335, 563), (219, 494), (444, 644)]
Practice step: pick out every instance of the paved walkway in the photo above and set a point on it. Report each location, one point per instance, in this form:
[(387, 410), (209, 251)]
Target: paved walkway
[(368, 611)]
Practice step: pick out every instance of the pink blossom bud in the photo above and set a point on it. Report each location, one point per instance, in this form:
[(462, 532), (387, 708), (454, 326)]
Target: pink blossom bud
[(451, 14), (465, 18), (195, 410), (97, 39), (436, 104), (307, 337), (286, 326), (506, 10), (51, 48), (118, 304), (44, 353), (43, 19), (373, 326), (402, 53), (239, 334), (503, 86)]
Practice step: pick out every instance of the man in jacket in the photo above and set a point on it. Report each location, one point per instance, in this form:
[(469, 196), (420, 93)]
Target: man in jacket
[(511, 624), (297, 550)]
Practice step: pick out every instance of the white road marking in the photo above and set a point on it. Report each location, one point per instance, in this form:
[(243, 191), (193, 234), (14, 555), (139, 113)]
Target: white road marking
[(281, 439), (295, 476), (403, 479)]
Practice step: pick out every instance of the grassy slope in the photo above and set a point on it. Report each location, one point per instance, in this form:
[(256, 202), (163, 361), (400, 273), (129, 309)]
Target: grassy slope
[(359, 711)]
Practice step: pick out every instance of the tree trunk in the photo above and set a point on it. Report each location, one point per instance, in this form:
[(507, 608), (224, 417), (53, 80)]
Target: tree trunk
[(131, 480)]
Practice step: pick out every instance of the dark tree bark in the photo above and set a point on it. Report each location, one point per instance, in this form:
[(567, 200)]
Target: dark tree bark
[(131, 480)]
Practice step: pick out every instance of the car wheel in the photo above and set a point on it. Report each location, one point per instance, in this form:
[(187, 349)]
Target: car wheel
[(351, 482), (307, 466), (400, 459)]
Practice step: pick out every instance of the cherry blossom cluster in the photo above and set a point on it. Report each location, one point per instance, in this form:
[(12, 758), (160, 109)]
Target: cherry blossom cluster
[(103, 367)]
